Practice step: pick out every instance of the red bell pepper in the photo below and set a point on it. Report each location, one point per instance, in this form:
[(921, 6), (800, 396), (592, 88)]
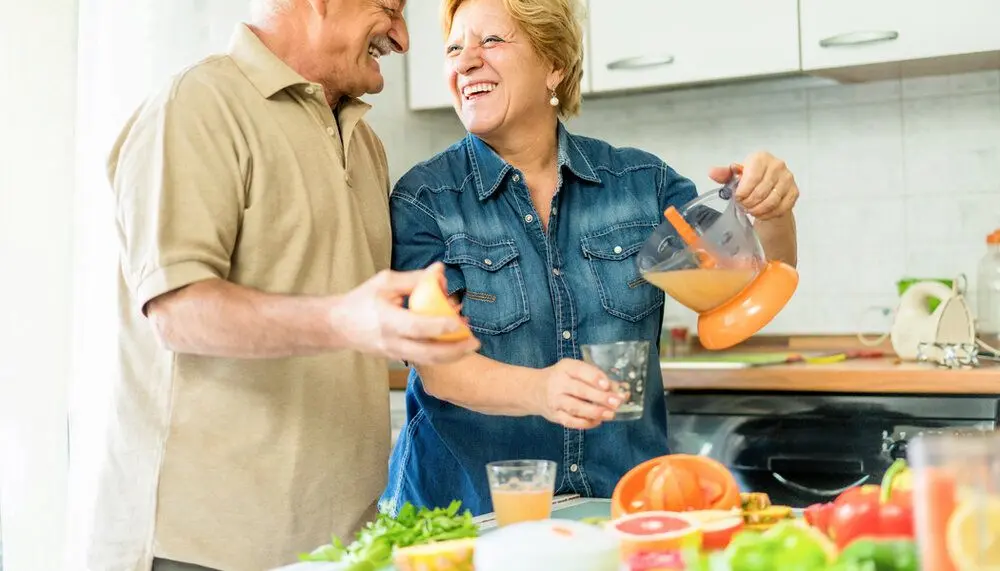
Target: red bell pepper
[(818, 516), (866, 512)]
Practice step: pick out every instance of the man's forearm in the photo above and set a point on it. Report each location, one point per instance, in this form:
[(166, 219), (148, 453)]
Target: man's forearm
[(777, 236), (222, 319), (484, 385)]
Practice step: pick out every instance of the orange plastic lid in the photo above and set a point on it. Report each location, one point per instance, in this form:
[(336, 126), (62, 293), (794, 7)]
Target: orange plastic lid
[(994, 238)]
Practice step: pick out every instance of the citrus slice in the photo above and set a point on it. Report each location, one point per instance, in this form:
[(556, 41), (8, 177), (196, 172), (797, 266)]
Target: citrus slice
[(453, 555), (429, 298), (656, 531), (974, 535), (718, 527)]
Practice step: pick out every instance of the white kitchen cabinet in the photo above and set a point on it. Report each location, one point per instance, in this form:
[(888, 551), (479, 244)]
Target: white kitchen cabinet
[(851, 33), (656, 43), (426, 75)]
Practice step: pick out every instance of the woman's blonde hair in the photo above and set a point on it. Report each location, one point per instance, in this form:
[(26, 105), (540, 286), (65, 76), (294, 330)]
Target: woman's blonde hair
[(554, 30)]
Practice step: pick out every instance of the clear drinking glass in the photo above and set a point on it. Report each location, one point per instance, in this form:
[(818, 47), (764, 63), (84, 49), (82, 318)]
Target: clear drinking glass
[(956, 499), (624, 362), (521, 490)]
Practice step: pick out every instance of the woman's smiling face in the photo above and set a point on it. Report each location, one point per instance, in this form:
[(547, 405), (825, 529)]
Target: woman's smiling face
[(495, 75)]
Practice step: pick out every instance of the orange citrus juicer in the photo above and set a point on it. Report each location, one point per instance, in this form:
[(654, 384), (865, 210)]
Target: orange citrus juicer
[(707, 256)]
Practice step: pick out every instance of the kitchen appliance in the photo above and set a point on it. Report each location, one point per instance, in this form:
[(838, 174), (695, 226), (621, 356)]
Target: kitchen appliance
[(914, 325), (707, 256), (804, 448)]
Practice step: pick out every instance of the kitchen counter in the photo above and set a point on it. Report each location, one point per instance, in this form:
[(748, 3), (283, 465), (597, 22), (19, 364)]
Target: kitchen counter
[(885, 376), (881, 375)]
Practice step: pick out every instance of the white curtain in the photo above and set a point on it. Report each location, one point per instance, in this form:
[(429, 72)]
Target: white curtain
[(126, 49)]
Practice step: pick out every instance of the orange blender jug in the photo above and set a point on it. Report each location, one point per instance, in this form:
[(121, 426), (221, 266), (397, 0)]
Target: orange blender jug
[(707, 256)]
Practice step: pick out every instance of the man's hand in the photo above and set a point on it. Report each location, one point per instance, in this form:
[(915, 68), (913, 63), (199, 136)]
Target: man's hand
[(371, 319)]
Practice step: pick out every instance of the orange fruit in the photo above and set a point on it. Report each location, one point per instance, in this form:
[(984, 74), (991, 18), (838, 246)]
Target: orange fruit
[(429, 298)]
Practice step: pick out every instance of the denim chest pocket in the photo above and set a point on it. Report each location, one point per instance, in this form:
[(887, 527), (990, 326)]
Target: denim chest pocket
[(496, 298), (611, 254)]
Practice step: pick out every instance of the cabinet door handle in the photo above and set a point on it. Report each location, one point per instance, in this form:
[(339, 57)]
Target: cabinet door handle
[(641, 62), (859, 38)]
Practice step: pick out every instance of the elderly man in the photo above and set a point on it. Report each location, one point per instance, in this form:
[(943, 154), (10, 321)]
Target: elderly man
[(251, 418)]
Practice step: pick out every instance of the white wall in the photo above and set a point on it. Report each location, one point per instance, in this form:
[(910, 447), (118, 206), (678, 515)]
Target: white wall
[(898, 178), (38, 99)]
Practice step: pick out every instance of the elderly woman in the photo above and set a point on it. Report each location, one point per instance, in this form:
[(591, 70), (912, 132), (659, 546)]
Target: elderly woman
[(538, 230)]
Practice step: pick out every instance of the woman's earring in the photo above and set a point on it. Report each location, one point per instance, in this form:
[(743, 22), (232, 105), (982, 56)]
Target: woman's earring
[(554, 101)]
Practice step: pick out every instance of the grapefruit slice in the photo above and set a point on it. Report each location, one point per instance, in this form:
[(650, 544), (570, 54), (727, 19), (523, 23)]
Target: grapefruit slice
[(657, 561), (656, 531)]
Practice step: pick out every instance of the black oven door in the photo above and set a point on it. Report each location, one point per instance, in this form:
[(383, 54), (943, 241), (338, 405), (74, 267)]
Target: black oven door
[(802, 450)]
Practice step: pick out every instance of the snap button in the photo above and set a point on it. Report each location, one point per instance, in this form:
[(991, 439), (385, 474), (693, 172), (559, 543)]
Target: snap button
[(529, 218), (573, 467), (567, 334), (488, 262), (310, 90), (555, 271), (517, 178), (330, 131), (618, 249)]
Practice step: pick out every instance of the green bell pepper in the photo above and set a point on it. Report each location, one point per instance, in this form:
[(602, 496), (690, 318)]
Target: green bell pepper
[(878, 555)]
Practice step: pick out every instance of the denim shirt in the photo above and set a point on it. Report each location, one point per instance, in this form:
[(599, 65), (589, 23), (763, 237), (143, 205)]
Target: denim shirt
[(532, 296)]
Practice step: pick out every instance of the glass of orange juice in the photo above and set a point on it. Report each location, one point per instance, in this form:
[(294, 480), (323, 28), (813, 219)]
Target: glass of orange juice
[(956, 499), (521, 490)]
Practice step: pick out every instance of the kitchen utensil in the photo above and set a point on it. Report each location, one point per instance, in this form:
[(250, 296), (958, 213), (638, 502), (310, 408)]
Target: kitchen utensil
[(956, 499), (707, 256), (521, 490), (747, 360), (951, 323), (932, 303), (625, 363)]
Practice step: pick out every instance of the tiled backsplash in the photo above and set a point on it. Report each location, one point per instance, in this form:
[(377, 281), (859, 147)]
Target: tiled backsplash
[(898, 178)]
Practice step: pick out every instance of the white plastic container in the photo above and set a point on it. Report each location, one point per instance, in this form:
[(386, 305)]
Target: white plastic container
[(988, 293)]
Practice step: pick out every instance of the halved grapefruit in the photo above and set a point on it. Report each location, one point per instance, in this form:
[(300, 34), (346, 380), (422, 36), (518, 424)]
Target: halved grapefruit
[(656, 531)]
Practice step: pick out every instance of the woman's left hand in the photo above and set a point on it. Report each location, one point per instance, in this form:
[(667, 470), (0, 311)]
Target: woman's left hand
[(767, 188)]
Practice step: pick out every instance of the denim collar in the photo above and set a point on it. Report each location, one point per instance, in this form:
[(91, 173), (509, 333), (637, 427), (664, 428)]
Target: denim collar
[(489, 168)]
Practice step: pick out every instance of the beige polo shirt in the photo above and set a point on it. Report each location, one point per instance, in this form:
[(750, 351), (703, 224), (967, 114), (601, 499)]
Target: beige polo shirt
[(239, 170)]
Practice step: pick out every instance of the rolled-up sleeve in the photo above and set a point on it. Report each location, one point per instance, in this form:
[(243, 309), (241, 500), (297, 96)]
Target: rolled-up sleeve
[(416, 237), (177, 172)]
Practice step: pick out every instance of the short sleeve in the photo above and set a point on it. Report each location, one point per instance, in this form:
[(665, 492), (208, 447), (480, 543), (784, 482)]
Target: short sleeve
[(177, 172), (672, 189), (416, 237)]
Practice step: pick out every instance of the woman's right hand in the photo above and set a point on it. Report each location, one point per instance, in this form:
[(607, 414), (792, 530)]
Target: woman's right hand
[(576, 395)]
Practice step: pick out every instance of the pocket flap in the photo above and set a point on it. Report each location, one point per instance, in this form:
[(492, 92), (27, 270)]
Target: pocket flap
[(461, 249), (617, 242)]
